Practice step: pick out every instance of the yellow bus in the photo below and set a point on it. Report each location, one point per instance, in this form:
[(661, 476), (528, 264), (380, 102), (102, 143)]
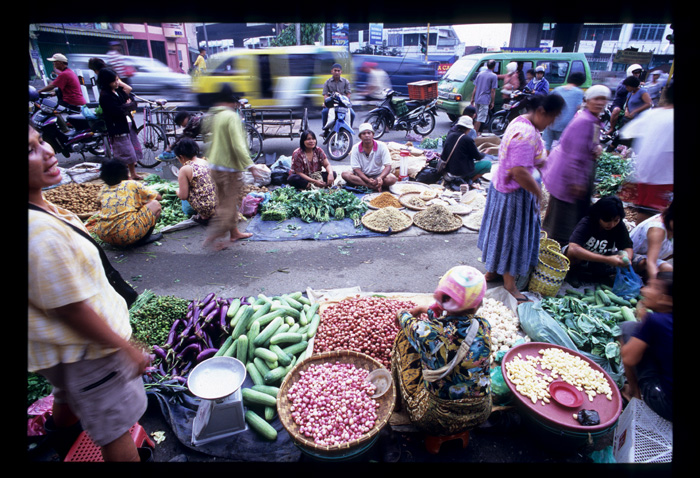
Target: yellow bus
[(285, 77)]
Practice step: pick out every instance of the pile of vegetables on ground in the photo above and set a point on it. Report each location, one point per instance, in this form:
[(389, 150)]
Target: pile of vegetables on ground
[(591, 319), (317, 205), (171, 205), (612, 171)]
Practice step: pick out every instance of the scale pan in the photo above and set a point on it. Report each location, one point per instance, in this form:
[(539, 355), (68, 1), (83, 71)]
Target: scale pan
[(216, 377)]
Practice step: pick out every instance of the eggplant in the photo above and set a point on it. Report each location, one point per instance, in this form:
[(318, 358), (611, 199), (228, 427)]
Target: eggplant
[(209, 308), (207, 300), (191, 348), (205, 354), (159, 352), (223, 322)]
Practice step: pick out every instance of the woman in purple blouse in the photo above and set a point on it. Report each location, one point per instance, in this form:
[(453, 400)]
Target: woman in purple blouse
[(570, 170)]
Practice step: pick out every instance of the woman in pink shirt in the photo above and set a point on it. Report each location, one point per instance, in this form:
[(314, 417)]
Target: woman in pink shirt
[(510, 229)]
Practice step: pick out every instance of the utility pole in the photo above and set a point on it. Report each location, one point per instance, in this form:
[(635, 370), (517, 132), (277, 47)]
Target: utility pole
[(427, 43)]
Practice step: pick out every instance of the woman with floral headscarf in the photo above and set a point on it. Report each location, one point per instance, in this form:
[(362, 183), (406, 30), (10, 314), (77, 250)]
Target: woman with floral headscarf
[(441, 362)]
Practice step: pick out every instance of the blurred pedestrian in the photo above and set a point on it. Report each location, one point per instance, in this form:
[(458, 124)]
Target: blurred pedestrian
[(570, 169), (117, 112), (653, 139), (117, 62), (638, 100), (509, 236), (511, 80), (484, 94), (78, 328), (573, 99), (655, 86), (229, 158), (200, 64), (377, 82)]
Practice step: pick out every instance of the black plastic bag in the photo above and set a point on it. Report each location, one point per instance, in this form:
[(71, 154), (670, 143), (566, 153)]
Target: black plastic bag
[(428, 175), (588, 418), (278, 177)]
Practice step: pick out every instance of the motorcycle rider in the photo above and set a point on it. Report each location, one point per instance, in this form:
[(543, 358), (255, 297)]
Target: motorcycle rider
[(539, 84), (69, 93), (620, 97), (336, 84)]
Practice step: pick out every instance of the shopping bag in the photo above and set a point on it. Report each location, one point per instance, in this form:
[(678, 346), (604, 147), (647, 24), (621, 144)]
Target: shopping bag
[(627, 283)]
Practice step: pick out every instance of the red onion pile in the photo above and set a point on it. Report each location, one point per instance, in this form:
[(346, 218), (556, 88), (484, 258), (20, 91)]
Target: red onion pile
[(360, 324), (332, 404)]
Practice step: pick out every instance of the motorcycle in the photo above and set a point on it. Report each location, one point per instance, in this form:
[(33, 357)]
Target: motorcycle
[(83, 135), (337, 132), (401, 115), (611, 141), (511, 110)]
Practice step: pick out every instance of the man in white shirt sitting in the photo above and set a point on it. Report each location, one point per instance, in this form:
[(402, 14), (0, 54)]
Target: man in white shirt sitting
[(370, 161)]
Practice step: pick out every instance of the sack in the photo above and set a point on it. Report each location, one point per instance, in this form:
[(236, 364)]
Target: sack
[(627, 283), (428, 175)]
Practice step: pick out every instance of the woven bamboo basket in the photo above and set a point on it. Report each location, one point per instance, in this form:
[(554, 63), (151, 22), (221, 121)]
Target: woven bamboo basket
[(345, 450), (549, 243), (550, 271)]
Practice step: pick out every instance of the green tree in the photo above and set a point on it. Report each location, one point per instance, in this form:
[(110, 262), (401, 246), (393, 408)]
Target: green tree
[(309, 33)]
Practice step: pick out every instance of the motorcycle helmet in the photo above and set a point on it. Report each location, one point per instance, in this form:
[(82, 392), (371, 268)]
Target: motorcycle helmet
[(328, 102), (33, 95), (632, 68), (460, 289)]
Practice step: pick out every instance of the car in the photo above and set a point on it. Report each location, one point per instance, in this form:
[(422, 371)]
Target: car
[(151, 76), (401, 71)]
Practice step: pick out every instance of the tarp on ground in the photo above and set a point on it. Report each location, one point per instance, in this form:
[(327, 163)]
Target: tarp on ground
[(295, 229)]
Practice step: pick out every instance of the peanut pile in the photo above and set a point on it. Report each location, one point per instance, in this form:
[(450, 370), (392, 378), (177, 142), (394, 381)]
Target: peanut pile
[(79, 198)]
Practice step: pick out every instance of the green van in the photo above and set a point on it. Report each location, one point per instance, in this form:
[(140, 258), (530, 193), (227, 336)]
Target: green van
[(456, 86)]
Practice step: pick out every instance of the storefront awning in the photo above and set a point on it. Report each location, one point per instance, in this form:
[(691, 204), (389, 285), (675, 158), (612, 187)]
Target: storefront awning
[(82, 31)]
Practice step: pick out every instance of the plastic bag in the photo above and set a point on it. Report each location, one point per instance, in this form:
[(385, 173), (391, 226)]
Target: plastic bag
[(500, 392), (627, 283), (428, 175), (250, 204), (261, 174)]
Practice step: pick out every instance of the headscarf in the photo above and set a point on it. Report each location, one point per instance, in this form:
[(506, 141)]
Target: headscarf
[(461, 288), (596, 91)]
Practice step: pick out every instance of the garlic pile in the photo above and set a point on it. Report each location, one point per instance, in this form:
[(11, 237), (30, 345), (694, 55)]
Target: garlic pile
[(504, 325)]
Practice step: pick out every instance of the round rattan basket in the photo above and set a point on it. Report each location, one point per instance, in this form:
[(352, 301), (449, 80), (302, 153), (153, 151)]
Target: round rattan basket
[(409, 223), (345, 450), (456, 223), (404, 199)]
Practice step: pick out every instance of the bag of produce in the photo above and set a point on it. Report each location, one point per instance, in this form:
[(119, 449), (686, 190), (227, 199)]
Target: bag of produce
[(627, 283)]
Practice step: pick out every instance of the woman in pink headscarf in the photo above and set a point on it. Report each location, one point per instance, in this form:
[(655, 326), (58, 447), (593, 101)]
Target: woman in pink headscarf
[(441, 363)]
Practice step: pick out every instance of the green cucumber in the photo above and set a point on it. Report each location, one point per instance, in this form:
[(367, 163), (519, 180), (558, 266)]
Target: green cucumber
[(294, 349), (269, 317), (282, 356), (270, 413), (231, 351), (293, 302), (233, 308), (255, 375), (242, 350), (268, 331), (252, 333), (313, 325), (261, 365), (275, 375), (269, 389), (616, 299), (266, 354), (242, 324), (603, 297), (303, 319), (262, 310), (259, 424), (222, 350), (628, 314), (251, 396), (285, 338)]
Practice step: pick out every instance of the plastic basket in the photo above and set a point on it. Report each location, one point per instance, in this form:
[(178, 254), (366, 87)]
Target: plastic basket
[(85, 450), (550, 271), (423, 90), (400, 106), (642, 436)]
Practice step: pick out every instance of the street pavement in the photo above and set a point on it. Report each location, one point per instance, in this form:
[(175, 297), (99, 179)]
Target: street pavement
[(178, 265)]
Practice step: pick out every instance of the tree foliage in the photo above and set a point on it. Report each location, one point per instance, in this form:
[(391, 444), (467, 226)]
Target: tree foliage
[(309, 33)]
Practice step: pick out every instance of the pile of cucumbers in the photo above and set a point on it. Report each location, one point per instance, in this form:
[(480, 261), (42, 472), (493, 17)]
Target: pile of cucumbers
[(269, 335)]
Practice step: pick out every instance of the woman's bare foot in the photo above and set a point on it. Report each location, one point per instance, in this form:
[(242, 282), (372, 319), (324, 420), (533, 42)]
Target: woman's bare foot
[(491, 276), (240, 235)]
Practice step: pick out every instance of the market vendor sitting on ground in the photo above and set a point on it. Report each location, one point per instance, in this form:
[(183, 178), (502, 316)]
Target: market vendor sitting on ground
[(370, 163), (310, 166), (195, 186), (599, 244), (652, 241), (465, 163), (647, 350), (129, 209), (442, 365)]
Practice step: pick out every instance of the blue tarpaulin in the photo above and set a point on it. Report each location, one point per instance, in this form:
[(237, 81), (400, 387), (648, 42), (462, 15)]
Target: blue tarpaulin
[(295, 229)]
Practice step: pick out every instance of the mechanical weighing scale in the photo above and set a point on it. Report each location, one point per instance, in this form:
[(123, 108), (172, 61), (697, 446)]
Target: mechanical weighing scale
[(217, 382)]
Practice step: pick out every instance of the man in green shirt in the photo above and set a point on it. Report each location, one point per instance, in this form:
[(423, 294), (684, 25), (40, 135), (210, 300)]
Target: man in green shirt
[(228, 157)]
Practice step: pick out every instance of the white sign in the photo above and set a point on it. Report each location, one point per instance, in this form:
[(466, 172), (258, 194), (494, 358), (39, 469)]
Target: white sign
[(586, 46)]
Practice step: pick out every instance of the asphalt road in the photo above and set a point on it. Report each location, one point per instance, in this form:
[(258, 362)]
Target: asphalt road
[(178, 265)]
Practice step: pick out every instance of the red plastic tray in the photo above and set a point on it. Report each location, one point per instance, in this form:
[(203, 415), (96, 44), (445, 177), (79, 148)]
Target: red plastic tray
[(555, 414)]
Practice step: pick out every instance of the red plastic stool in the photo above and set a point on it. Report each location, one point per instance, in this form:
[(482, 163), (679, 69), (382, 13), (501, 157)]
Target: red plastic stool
[(433, 443), (84, 449)]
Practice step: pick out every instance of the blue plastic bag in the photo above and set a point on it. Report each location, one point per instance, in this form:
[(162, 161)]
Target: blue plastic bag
[(627, 283)]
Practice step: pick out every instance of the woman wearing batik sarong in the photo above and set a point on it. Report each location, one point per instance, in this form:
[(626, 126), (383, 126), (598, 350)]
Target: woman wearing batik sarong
[(441, 357)]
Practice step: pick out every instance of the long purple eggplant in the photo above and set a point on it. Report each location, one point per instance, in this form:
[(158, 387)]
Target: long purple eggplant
[(205, 354), (207, 299)]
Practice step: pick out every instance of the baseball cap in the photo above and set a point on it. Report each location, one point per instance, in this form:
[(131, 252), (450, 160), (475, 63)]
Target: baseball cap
[(58, 57)]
